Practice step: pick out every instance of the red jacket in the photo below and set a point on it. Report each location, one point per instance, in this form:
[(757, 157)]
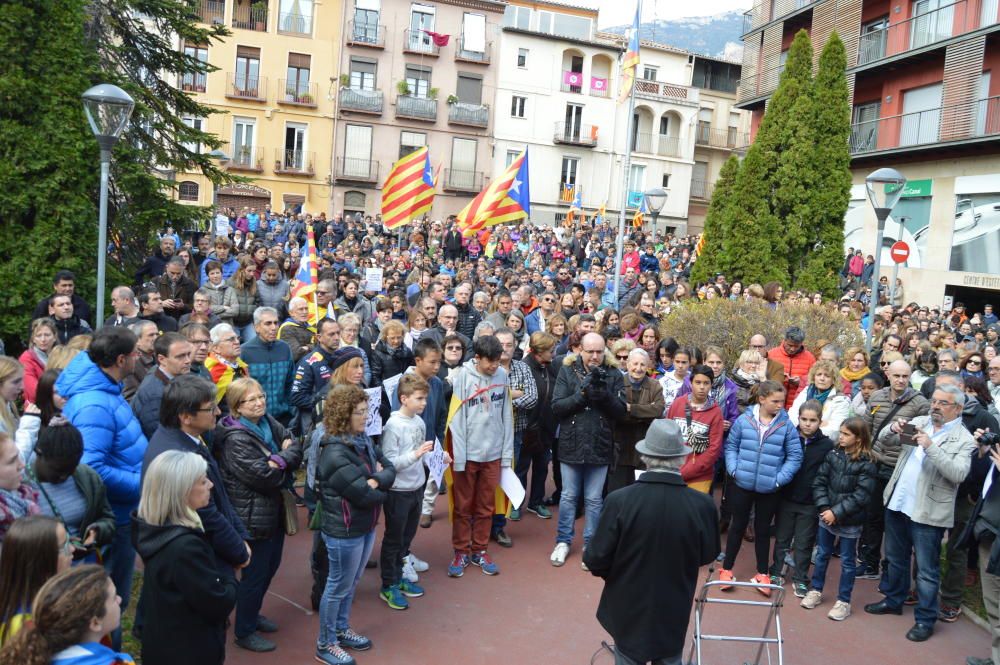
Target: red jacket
[(797, 365), (705, 423), (33, 369)]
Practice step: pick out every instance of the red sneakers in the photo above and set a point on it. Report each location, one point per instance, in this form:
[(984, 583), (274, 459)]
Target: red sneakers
[(761, 578), (726, 576)]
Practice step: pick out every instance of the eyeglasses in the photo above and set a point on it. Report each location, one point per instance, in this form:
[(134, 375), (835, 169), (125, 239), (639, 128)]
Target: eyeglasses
[(360, 412), (975, 362), (322, 293), (230, 340), (884, 363), (207, 409), (200, 342), (548, 299), (941, 402), (255, 398), (624, 357), (454, 348)]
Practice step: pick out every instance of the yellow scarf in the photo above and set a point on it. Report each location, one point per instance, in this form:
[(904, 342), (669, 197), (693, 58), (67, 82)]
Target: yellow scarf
[(848, 375)]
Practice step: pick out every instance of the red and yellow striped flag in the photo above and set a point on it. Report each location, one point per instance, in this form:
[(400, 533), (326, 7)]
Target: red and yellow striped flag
[(506, 199), (701, 245), (304, 284), (630, 62), (408, 191)]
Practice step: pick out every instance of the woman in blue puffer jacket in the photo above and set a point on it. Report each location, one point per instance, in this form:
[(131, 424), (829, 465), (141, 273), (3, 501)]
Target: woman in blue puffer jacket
[(763, 454)]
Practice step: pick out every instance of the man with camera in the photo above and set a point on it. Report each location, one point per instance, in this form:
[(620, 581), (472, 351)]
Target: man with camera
[(934, 458), (587, 400)]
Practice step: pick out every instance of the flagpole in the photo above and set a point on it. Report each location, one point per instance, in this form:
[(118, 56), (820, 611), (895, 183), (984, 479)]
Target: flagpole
[(620, 241)]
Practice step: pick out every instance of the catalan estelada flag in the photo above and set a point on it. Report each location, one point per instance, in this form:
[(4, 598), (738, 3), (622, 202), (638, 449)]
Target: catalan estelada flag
[(599, 214), (306, 278), (408, 192), (506, 199), (640, 214), (575, 208), (631, 59)]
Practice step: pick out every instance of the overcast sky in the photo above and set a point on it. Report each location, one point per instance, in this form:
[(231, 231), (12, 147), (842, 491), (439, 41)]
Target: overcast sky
[(618, 12)]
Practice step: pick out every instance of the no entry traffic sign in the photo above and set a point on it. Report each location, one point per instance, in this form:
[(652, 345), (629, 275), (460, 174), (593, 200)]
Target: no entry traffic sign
[(899, 251)]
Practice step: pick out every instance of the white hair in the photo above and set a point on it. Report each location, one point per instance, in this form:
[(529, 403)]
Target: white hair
[(166, 486), (259, 313), (296, 301), (638, 353), (663, 463), (218, 332)]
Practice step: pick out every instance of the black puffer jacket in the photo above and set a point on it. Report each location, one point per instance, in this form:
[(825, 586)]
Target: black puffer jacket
[(587, 412), (387, 363), (350, 505), (545, 381), (254, 486), (468, 319), (814, 453), (844, 486)]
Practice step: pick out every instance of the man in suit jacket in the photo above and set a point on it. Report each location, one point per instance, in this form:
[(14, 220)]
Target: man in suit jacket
[(649, 557)]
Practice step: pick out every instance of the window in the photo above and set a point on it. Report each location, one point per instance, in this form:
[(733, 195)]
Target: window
[(187, 191), (545, 22), (665, 180), (522, 57), (664, 125), (474, 33), (297, 83), (711, 75), (571, 26), (354, 203), (511, 156), (570, 165), (418, 80), (247, 71), (637, 178), (195, 81), (517, 17), (366, 14), (517, 106), (421, 19), (699, 180), (873, 40), (243, 141), (573, 121), (469, 89), (410, 142), (295, 146), (363, 72), (196, 124), (295, 16), (463, 164), (649, 73), (357, 150)]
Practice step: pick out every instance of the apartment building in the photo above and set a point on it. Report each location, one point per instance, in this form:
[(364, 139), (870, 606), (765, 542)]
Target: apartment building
[(274, 87), (924, 79), (400, 88)]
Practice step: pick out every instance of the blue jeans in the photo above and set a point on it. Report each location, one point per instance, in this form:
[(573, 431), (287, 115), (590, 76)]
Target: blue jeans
[(347, 557), (246, 332), (848, 562), (902, 536), (255, 580), (576, 477), (119, 565)]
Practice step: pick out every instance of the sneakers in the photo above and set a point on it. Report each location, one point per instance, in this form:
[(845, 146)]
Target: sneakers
[(559, 554), (458, 565), (777, 580), (949, 614), (840, 611), (352, 640), (502, 539), (762, 579), (334, 654), (485, 563), (541, 511), (515, 515), (265, 625), (800, 589), (393, 597), (425, 521), (419, 564), (911, 598), (868, 573), (726, 576), (583, 564), (254, 642), (812, 599), (410, 590), (409, 572)]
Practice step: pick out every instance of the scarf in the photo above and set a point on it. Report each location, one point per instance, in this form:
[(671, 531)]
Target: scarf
[(41, 355), (263, 430), (812, 392), (717, 394), (18, 503), (747, 378), (852, 376)]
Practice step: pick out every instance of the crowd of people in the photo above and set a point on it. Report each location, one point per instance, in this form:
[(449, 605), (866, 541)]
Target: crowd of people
[(192, 425)]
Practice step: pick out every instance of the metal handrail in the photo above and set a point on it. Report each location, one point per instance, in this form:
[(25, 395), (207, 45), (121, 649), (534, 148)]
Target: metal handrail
[(980, 117), (365, 34), (906, 35)]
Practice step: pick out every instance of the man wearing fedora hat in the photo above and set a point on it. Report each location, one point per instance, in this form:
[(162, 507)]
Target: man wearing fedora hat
[(649, 557)]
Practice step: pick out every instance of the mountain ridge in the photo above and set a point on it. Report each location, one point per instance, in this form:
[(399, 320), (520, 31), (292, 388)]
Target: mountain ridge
[(715, 36)]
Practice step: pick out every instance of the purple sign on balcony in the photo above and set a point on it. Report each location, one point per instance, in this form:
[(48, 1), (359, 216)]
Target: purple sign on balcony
[(574, 79), (598, 85)]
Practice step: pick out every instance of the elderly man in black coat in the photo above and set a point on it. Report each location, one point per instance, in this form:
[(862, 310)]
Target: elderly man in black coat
[(649, 556)]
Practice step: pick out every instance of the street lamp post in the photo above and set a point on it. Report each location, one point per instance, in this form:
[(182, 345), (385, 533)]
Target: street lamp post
[(656, 198), (884, 186), (108, 109)]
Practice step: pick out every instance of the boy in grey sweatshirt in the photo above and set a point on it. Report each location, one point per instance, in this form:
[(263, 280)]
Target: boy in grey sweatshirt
[(482, 442)]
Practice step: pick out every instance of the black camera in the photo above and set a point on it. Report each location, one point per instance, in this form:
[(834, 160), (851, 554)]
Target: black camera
[(989, 439), (598, 376)]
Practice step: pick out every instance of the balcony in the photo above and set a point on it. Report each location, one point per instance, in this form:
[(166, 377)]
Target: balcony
[(642, 142), (762, 14), (250, 17), (726, 139), (575, 134), (354, 169), (759, 84), (193, 82), (669, 146), (290, 23), (947, 124), (567, 192), (294, 162), (212, 12), (371, 35), (470, 115), (478, 57), (572, 82), (666, 92), (925, 29), (419, 42), (362, 101), (248, 88), (246, 158), (416, 108), (458, 180), (701, 189), (297, 93)]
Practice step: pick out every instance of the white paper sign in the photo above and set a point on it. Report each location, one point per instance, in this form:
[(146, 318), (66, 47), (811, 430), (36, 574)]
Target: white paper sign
[(435, 463), (512, 486), (373, 424), (390, 385), (373, 279)]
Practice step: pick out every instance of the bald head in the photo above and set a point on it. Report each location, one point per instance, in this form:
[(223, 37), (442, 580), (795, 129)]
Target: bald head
[(593, 347), (448, 317), (899, 376)]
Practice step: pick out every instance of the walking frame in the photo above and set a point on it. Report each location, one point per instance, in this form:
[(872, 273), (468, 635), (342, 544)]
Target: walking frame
[(774, 604)]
